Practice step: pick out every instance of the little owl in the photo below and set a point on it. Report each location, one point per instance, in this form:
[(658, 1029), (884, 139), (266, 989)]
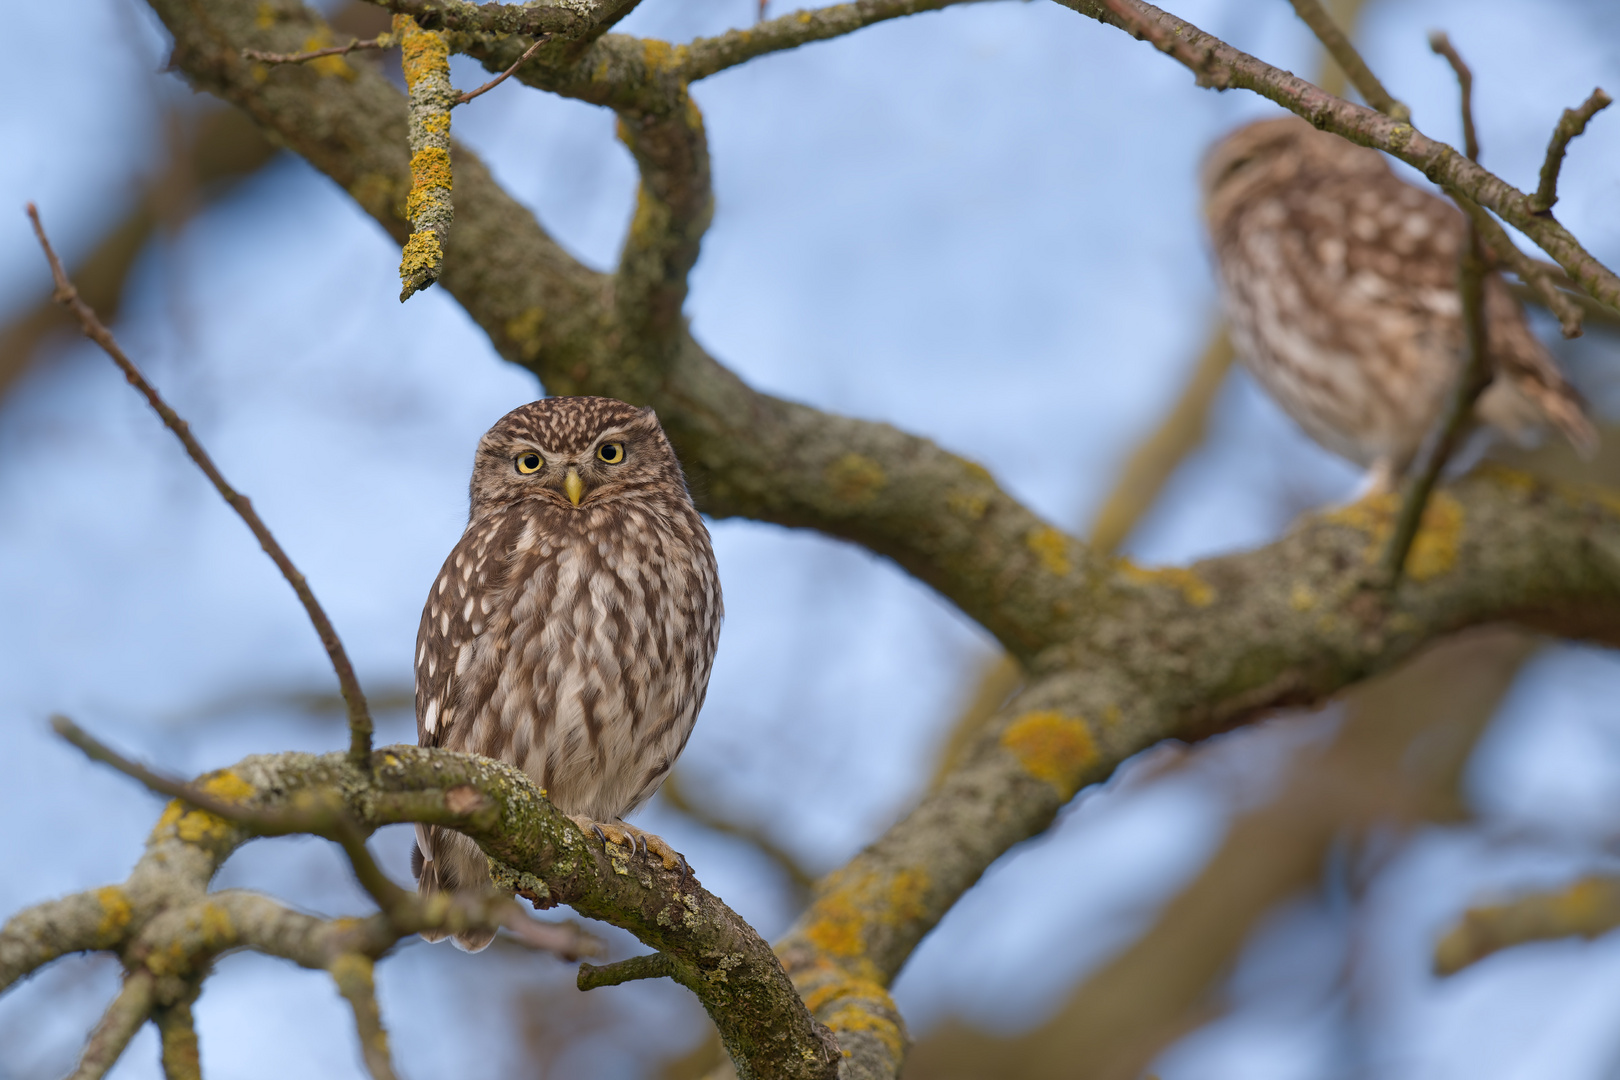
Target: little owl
[(1340, 285), (571, 630)]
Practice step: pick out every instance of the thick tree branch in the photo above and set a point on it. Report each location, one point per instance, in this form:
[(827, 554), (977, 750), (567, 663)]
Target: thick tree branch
[(1184, 654), (360, 725), (1217, 64)]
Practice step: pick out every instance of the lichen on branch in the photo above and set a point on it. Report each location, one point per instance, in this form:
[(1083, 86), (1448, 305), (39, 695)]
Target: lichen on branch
[(425, 58)]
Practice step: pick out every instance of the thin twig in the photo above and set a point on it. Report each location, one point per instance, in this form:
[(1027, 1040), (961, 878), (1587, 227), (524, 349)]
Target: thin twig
[(123, 1018), (503, 76), (1570, 126), (1475, 375), (1533, 272), (649, 966), (360, 725), (1441, 44), (381, 41), (1349, 60)]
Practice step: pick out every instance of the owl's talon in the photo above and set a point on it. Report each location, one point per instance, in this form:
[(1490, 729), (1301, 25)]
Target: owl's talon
[(639, 841)]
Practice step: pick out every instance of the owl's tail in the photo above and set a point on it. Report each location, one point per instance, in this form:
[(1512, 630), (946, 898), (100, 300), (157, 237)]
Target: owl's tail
[(440, 865)]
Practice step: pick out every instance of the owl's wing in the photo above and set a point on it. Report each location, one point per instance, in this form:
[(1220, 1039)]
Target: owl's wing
[(1524, 363), (463, 616)]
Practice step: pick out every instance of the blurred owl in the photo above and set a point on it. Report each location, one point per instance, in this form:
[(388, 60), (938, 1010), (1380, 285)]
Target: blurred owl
[(1340, 286), (572, 629)]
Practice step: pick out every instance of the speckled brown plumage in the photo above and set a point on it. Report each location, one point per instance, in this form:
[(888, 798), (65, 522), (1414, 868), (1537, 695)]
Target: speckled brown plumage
[(1340, 286), (572, 629)]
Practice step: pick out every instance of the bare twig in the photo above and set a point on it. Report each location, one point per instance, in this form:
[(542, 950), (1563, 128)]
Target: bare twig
[(1441, 44), (1570, 126), (503, 76), (649, 966), (1349, 60), (1536, 274), (1476, 373), (706, 56), (1201, 61), (360, 725), (381, 41), (123, 1018)]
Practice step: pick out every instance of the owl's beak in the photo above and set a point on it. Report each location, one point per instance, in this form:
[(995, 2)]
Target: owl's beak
[(574, 487)]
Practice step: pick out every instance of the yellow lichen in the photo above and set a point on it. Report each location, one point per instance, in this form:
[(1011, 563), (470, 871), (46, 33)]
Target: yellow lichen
[(853, 1018), (216, 927), (967, 504), (423, 52), (856, 478), (835, 926), (1193, 588), (430, 168), (1052, 747), (422, 252), (524, 329), (1434, 550), (436, 123), (115, 912), (227, 785), (1052, 547)]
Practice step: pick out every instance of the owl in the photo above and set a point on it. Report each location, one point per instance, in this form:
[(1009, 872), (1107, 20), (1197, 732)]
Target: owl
[(1340, 286), (572, 629)]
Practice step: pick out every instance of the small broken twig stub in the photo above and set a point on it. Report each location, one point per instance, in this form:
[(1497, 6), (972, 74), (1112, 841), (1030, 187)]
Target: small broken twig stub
[(1570, 126), (426, 62)]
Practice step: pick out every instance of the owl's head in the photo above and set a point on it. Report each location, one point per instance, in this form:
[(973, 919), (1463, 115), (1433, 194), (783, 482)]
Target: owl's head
[(573, 452), (1261, 158)]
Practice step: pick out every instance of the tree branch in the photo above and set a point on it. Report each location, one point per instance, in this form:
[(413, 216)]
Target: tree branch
[(353, 975), (1218, 64), (381, 41), (650, 966), (1338, 46), (124, 1017), (707, 56), (360, 725), (1570, 126), (1589, 908), (1476, 373)]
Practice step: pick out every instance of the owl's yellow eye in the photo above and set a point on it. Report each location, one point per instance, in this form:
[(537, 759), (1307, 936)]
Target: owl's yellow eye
[(612, 452), (529, 463)]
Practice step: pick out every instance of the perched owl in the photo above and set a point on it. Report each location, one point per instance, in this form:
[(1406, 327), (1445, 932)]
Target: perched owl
[(572, 629), (1340, 286)]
